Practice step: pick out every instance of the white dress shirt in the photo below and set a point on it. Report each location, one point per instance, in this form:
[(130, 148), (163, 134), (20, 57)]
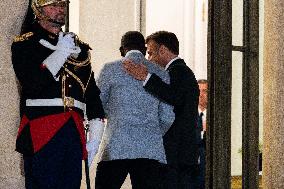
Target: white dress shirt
[(203, 120), (167, 66)]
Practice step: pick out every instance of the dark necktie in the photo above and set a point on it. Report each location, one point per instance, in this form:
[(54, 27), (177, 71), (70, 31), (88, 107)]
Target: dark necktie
[(200, 121)]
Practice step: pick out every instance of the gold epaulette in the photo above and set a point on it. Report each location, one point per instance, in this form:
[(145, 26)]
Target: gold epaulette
[(23, 37)]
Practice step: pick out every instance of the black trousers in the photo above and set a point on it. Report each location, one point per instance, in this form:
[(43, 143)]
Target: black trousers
[(144, 174), (58, 165), (182, 178), (201, 175)]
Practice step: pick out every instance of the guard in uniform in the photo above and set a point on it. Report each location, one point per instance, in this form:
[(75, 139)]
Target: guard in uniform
[(58, 90)]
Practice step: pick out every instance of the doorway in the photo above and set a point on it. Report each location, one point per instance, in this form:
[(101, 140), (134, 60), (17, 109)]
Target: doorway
[(233, 67), (233, 74)]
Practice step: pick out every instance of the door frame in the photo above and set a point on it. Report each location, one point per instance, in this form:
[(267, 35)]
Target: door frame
[(218, 156)]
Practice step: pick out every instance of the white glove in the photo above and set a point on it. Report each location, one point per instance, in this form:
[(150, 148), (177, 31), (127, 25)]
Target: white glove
[(65, 43), (96, 130), (64, 47)]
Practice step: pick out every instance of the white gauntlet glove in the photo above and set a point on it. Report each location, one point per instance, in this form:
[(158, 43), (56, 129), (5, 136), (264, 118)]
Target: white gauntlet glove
[(64, 47), (96, 129)]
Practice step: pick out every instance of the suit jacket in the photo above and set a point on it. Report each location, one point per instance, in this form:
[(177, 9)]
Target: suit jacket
[(182, 92), (136, 120)]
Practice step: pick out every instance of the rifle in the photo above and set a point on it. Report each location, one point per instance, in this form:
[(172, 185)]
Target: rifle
[(67, 16), (87, 171)]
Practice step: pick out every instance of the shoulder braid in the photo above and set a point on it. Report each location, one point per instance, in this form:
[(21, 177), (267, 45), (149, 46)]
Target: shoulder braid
[(23, 37)]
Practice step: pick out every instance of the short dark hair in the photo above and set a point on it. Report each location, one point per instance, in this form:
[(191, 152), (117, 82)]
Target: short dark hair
[(132, 40), (202, 81), (168, 39)]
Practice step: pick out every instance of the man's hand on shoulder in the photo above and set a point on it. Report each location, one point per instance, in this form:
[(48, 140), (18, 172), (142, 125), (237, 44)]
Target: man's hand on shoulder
[(138, 71)]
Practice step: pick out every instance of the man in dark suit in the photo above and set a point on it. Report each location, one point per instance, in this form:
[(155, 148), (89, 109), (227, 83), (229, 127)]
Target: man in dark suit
[(182, 92), (201, 128)]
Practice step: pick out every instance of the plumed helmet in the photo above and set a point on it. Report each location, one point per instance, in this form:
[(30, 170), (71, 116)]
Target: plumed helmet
[(38, 4), (41, 3)]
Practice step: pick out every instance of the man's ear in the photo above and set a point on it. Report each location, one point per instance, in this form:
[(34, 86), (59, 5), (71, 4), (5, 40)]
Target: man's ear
[(163, 49), (122, 51)]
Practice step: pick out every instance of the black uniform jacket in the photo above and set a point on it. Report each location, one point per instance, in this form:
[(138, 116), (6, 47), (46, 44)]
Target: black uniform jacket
[(37, 82), (180, 141)]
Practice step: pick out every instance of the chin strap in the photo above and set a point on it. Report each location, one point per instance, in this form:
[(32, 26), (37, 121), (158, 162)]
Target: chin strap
[(40, 16)]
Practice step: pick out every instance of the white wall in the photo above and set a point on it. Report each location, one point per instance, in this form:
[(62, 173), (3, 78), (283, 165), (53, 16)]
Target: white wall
[(101, 24), (168, 15), (184, 18), (74, 15), (200, 38)]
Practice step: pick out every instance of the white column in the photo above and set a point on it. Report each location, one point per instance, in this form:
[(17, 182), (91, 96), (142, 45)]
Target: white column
[(273, 137), (11, 17)]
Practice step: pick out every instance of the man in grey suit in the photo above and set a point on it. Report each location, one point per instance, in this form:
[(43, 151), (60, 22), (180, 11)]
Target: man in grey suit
[(136, 123)]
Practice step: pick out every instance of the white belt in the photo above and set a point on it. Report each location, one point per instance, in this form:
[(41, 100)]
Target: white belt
[(54, 102)]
